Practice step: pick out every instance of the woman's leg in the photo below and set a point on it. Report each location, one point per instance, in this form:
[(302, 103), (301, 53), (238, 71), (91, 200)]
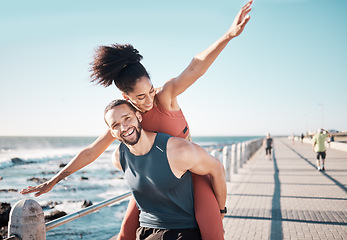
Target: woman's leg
[(130, 222), (207, 212)]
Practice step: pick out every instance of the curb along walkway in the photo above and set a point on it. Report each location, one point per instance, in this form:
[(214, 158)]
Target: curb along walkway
[(286, 197)]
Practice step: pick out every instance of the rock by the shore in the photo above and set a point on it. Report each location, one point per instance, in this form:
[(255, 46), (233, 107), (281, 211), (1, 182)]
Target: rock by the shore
[(3, 232), (5, 209), (62, 165), (54, 215), (46, 173), (1, 178), (114, 172), (84, 178), (50, 205), (9, 190), (86, 203), (19, 161), (38, 180)]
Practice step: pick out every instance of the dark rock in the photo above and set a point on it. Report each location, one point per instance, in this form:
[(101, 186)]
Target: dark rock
[(114, 172), (62, 165), (84, 178), (54, 215), (38, 180), (86, 203), (9, 190), (5, 209), (17, 161), (46, 173), (3, 232), (1, 178), (50, 205)]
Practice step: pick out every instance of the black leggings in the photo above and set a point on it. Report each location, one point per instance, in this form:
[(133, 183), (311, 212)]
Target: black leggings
[(268, 151)]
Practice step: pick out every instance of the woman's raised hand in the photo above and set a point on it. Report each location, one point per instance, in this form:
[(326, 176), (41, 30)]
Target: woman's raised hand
[(39, 189), (240, 21)]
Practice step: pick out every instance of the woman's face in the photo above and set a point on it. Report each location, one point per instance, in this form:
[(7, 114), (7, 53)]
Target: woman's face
[(143, 95)]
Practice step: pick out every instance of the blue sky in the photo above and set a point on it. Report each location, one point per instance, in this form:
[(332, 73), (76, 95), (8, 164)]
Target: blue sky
[(279, 76)]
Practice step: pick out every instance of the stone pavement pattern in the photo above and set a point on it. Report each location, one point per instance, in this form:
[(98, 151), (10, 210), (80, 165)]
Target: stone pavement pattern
[(286, 197)]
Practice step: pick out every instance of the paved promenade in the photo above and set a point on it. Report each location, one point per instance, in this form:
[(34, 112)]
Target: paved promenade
[(287, 198)]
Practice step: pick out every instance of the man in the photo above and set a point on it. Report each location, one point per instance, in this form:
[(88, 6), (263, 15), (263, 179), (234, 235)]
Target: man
[(268, 145), (319, 147), (302, 137), (158, 169)]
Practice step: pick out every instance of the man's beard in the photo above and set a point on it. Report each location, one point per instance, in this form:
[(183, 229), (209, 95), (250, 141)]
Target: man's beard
[(137, 133)]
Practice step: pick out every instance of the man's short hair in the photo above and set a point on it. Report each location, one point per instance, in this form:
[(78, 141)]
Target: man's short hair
[(116, 103)]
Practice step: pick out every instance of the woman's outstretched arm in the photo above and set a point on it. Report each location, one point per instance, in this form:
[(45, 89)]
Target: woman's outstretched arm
[(202, 61), (82, 159)]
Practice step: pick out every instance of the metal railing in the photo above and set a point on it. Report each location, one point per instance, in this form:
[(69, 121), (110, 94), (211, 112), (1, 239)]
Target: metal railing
[(68, 218), (27, 218), (13, 237), (234, 156)]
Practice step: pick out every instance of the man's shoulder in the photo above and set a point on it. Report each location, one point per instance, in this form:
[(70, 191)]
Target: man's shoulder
[(178, 147), (175, 142)]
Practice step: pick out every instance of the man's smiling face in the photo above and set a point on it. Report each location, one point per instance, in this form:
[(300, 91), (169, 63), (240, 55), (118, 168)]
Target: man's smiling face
[(124, 124)]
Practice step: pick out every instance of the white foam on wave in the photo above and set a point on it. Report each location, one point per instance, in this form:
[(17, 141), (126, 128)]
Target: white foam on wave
[(35, 155), (115, 187)]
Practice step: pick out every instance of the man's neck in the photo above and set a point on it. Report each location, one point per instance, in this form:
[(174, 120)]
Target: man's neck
[(144, 144)]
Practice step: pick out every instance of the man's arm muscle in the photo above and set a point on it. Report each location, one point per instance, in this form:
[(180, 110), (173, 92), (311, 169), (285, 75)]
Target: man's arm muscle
[(184, 155)]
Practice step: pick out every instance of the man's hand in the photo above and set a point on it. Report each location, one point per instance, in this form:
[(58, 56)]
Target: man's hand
[(240, 21)]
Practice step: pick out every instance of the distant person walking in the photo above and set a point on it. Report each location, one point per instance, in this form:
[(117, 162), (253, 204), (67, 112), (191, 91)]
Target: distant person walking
[(332, 139), (267, 143), (319, 147)]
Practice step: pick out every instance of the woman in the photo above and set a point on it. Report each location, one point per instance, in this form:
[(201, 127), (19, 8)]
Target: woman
[(120, 64)]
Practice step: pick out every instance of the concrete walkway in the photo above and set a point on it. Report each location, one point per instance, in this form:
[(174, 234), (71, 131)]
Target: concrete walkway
[(286, 197)]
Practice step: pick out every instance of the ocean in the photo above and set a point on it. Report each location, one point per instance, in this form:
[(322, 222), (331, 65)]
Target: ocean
[(25, 158)]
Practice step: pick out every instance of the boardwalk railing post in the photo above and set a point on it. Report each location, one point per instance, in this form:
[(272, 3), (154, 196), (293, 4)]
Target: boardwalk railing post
[(239, 155), (248, 150), (27, 220), (215, 154), (244, 153), (234, 158), (226, 162), (253, 147)]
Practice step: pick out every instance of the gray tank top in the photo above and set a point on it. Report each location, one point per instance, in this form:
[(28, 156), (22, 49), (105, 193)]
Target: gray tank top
[(165, 201)]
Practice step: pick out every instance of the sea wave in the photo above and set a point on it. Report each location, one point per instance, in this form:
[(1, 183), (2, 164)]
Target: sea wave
[(11, 158)]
